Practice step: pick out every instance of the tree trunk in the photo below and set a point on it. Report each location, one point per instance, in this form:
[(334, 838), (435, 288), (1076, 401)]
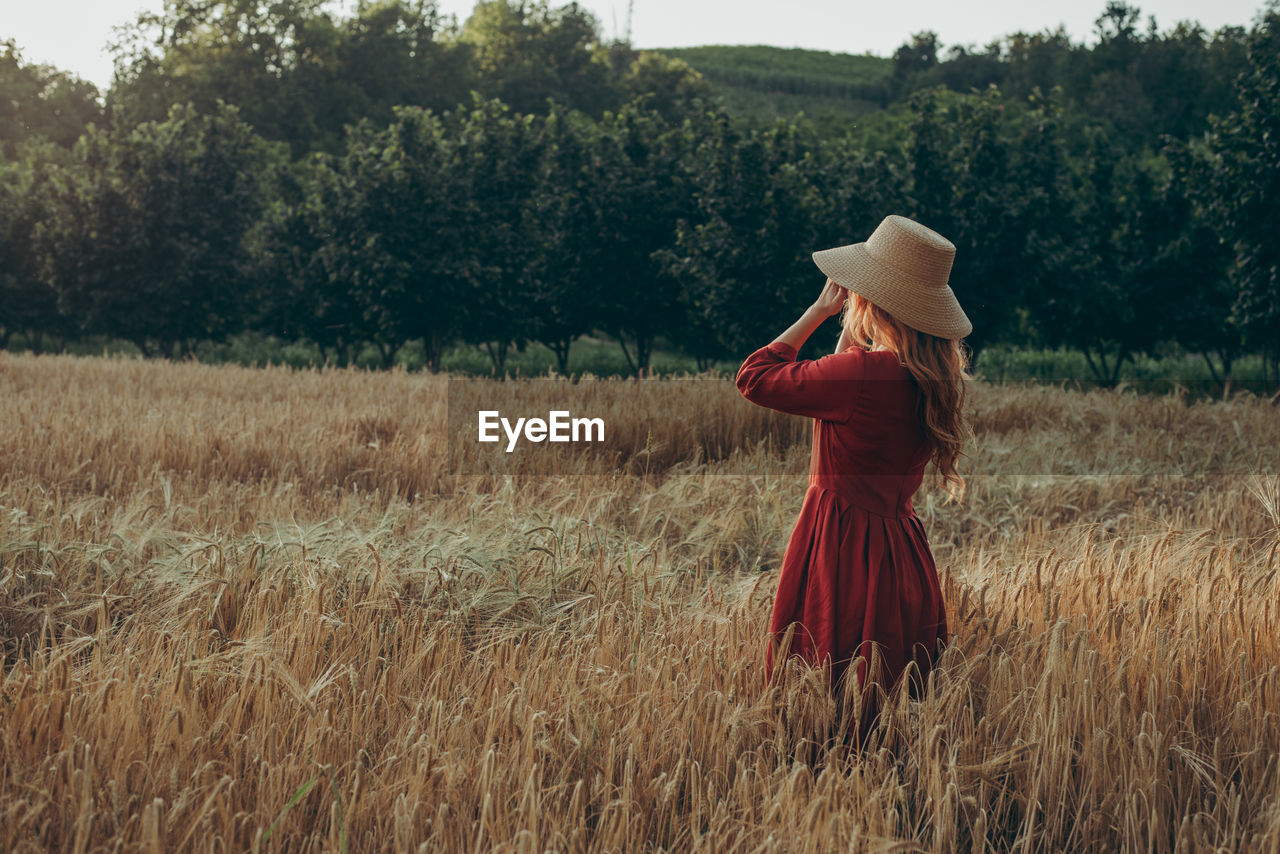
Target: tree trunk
[(1213, 373), (497, 351), (644, 346), (644, 350), (561, 349), (1106, 372), (622, 342), (385, 352), (1223, 380), (1093, 369), (1115, 369), (434, 347)]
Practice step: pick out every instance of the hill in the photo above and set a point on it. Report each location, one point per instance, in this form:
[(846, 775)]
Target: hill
[(762, 82)]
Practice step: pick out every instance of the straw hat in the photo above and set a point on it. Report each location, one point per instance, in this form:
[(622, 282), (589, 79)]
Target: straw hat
[(902, 268)]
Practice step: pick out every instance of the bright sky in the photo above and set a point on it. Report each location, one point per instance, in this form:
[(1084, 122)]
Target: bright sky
[(72, 34)]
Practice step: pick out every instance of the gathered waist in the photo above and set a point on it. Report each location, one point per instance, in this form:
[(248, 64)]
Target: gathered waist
[(879, 495)]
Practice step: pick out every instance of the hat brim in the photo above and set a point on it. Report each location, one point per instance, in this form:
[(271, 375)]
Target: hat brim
[(926, 307)]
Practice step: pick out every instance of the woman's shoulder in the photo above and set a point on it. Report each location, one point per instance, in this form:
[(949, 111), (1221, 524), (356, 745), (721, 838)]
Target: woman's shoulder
[(879, 362)]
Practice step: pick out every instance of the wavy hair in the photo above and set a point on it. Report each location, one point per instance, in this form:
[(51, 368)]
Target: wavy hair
[(940, 367)]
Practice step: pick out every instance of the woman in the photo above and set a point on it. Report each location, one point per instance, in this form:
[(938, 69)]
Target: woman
[(858, 577)]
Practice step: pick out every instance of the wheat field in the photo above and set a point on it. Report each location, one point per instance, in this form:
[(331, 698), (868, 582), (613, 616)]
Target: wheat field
[(257, 610)]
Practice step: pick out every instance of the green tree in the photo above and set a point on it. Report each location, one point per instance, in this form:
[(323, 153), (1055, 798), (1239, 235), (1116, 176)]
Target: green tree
[(854, 189), (527, 52), (1109, 299), (146, 235), (497, 157), (917, 56), (27, 302), (743, 259), (298, 73), (1185, 263), (643, 160), (40, 101), (238, 51), (563, 300), (962, 184), (299, 249), (1052, 209), (1241, 186), (668, 85), (1037, 61), (389, 223)]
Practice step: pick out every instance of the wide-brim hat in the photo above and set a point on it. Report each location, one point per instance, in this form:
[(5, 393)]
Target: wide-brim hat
[(903, 267)]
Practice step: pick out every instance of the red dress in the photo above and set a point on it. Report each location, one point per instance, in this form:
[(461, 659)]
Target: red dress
[(858, 569)]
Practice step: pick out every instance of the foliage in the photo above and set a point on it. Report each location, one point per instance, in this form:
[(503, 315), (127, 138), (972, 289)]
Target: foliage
[(369, 180), (563, 298), (27, 301), (742, 258), (526, 52), (297, 73), (145, 235), (1241, 194), (962, 184), (497, 157), (648, 192), (38, 101)]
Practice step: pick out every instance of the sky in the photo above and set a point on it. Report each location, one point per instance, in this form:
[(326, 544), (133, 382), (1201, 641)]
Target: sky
[(72, 34)]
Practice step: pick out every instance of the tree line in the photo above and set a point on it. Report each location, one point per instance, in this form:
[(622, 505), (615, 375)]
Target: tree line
[(497, 226)]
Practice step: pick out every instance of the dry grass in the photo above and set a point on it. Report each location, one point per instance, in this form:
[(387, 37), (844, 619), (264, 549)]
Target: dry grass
[(254, 610)]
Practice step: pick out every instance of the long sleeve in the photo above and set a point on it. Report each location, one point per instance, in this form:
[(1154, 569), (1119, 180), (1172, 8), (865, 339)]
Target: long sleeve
[(825, 388)]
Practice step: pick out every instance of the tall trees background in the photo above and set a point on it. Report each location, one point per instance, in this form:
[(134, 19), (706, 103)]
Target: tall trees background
[(390, 176)]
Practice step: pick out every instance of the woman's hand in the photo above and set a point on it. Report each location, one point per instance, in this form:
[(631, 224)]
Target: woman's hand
[(831, 300), (827, 304)]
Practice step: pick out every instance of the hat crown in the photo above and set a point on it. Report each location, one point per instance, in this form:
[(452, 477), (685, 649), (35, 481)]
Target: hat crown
[(913, 249), (902, 268)]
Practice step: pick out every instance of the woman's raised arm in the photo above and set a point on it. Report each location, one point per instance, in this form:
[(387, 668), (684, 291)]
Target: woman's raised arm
[(823, 388)]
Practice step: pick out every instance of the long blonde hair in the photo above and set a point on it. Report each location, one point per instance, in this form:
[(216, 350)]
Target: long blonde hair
[(941, 370)]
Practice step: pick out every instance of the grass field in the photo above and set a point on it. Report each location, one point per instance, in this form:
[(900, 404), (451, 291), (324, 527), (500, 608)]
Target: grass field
[(601, 356), (254, 609)]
